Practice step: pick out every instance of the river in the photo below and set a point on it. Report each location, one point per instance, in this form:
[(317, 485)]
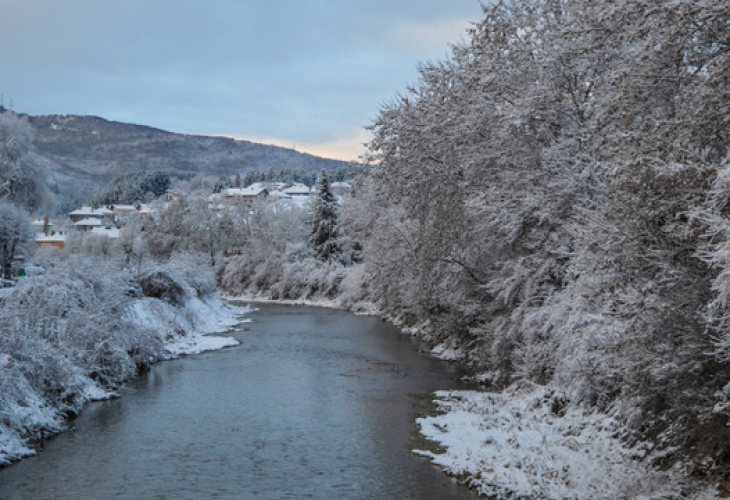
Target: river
[(314, 403)]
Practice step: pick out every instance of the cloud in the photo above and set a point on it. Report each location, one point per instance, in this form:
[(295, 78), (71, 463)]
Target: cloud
[(312, 72), (419, 37), (345, 147)]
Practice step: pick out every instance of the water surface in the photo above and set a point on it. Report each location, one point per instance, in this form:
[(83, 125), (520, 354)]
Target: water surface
[(313, 404)]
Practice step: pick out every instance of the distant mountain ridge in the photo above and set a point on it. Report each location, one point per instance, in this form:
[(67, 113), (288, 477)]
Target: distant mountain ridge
[(83, 153)]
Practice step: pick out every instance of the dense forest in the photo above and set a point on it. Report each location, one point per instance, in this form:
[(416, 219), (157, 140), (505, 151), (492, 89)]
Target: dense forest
[(549, 205), (551, 202)]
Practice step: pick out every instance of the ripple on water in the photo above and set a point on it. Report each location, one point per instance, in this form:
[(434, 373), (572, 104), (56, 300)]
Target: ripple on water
[(312, 404)]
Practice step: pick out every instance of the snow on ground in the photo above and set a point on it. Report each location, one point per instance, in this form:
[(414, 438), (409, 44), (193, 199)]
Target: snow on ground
[(364, 308), (447, 352), (187, 331), (324, 303), (207, 317), (513, 445)]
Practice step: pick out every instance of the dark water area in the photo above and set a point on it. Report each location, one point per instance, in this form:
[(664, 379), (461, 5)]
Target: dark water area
[(314, 403)]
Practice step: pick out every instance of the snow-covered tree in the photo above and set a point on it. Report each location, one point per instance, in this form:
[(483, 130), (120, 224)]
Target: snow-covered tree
[(22, 181), (325, 212), (550, 202), (16, 235), (137, 186), (192, 223)]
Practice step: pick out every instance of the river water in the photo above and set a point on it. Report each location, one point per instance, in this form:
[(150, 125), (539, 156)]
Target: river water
[(314, 403)]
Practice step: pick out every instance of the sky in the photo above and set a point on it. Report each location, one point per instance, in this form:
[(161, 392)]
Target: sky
[(303, 74)]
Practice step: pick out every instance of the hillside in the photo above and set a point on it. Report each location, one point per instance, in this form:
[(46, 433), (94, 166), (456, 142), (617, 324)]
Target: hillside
[(83, 153)]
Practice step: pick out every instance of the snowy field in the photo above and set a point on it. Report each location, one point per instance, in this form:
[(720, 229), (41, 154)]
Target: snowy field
[(519, 444)]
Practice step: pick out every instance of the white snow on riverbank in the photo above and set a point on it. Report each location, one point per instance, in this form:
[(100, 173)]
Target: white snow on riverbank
[(514, 445), (253, 299), (364, 308), (187, 331)]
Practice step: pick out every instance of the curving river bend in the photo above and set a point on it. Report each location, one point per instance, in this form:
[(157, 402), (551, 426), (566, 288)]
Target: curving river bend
[(314, 403)]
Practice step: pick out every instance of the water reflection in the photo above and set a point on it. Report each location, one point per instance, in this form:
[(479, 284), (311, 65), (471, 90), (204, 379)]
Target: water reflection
[(313, 404)]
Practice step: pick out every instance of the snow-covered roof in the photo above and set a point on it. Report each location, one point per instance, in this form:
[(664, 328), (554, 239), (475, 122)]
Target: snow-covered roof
[(252, 190), (278, 194), (297, 190), (91, 212), (42, 238), (89, 222), (290, 202), (41, 222), (124, 208), (269, 186)]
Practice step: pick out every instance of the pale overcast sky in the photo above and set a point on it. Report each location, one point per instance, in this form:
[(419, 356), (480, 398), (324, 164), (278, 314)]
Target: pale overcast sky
[(308, 74)]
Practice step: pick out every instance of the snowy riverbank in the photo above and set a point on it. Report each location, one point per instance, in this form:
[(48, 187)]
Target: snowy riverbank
[(28, 417), (527, 442), (522, 443), (201, 319)]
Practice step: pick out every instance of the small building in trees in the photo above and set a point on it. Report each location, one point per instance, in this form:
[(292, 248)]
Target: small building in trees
[(57, 240), (91, 213), (126, 212), (341, 188), (297, 190), (88, 224), (248, 195)]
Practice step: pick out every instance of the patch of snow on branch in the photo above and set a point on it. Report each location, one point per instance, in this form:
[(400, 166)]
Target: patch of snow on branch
[(518, 443)]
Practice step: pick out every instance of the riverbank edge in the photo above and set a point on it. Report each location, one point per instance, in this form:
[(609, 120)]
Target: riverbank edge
[(530, 402), (208, 335)]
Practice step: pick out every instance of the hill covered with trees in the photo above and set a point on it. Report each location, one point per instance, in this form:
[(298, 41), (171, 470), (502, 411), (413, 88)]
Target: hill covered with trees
[(82, 154)]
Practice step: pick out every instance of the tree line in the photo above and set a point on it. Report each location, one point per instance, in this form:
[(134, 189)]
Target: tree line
[(551, 202)]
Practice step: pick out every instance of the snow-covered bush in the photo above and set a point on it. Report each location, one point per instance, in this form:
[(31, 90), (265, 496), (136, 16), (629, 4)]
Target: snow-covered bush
[(276, 262), (81, 329), (194, 269), (80, 310)]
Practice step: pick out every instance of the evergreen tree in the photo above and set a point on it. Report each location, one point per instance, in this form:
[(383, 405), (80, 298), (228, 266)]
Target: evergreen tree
[(137, 186), (222, 184), (324, 238)]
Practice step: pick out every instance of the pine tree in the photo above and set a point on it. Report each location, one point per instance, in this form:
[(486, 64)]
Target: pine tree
[(325, 212)]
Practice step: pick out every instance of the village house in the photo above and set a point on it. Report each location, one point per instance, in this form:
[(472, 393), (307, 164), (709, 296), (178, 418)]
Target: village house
[(88, 224), (46, 236), (57, 240), (341, 188), (125, 212), (297, 190), (92, 213), (248, 195)]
